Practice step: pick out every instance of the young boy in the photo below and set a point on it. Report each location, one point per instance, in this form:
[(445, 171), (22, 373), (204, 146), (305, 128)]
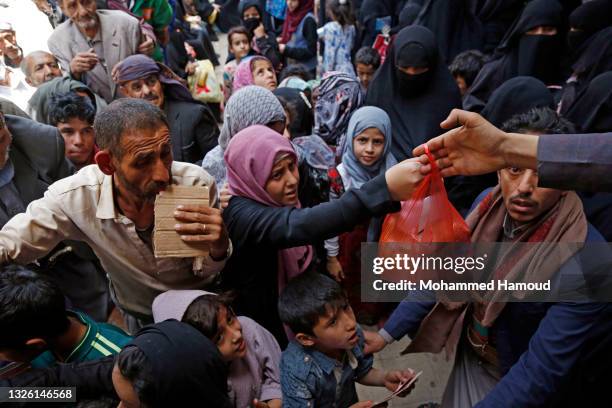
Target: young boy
[(239, 46), (320, 366), (465, 67), (367, 61), (73, 115), (35, 326)]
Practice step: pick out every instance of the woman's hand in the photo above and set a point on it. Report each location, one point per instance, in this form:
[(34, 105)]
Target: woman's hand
[(335, 269), (404, 178), (260, 31)]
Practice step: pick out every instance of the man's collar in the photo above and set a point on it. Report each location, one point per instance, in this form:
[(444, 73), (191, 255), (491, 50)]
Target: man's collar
[(510, 230), (106, 203), (327, 363)]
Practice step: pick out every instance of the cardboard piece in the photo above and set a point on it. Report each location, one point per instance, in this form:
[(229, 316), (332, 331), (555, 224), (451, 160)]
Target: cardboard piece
[(402, 387), (166, 241)]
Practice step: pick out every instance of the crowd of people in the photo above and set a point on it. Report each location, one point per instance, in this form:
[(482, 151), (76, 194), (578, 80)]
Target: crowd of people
[(327, 115)]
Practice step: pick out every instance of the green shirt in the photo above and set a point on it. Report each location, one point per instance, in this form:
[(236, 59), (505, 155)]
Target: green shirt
[(158, 13), (100, 340)]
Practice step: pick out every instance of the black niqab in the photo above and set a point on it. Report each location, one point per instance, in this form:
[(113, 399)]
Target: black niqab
[(515, 96), (520, 54), (415, 118), (592, 110), (187, 367), (587, 19)]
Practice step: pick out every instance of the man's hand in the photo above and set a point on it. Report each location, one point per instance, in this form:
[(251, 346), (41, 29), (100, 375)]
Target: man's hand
[(147, 46), (334, 268), (374, 342), (260, 31), (200, 223), (273, 403), (475, 147), (282, 47), (217, 7), (83, 62), (394, 378), (403, 178)]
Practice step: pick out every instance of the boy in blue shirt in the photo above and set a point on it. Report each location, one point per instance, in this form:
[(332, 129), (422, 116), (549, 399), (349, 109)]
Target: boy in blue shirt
[(36, 328), (320, 366)]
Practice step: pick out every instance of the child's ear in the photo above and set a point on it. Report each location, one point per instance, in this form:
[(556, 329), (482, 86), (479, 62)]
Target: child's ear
[(305, 339)]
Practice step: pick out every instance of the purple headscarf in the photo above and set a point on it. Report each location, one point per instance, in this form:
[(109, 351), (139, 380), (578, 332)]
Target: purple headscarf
[(140, 66), (250, 157)]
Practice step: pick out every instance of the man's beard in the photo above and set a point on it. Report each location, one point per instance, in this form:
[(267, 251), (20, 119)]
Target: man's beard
[(151, 189), (87, 23)]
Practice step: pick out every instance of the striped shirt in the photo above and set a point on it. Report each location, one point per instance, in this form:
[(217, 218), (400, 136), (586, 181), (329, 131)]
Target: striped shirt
[(100, 340)]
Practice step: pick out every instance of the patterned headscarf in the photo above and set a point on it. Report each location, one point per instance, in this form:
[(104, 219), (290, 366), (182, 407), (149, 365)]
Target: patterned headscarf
[(251, 105), (339, 96)]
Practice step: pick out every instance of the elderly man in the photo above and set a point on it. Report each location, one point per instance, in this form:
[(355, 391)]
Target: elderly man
[(11, 52), (110, 207), (12, 81), (515, 353), (34, 161), (193, 128), (40, 67), (92, 41)]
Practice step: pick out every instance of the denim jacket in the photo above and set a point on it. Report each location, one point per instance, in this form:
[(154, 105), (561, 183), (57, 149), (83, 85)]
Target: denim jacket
[(308, 378)]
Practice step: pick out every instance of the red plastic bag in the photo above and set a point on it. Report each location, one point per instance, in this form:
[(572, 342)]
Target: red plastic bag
[(427, 217)]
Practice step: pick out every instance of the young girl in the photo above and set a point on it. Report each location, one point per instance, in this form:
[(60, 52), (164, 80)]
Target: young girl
[(251, 352), (367, 153), (255, 71), (298, 42), (239, 45), (253, 18), (338, 37)]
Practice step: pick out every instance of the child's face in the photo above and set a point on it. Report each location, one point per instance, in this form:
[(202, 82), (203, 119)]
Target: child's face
[(365, 74), (461, 84), (335, 331), (229, 338), (292, 5), (251, 12), (239, 46), (264, 75), (368, 146)]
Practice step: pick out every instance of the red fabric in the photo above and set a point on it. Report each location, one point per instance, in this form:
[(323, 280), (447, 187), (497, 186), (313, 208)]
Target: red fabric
[(293, 19)]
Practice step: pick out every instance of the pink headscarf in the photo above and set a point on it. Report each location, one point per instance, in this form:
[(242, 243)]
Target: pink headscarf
[(250, 157), (244, 72)]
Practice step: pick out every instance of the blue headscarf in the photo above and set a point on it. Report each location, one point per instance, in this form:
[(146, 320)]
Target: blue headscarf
[(366, 118)]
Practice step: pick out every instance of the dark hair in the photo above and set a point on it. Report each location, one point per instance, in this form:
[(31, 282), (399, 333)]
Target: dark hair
[(341, 11), (202, 313), (31, 306), (368, 56), (124, 115), (298, 70), (308, 297), (540, 120), (136, 368), (63, 107), (467, 65), (237, 30)]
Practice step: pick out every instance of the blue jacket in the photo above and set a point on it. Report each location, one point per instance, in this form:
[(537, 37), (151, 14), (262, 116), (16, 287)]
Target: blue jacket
[(538, 344)]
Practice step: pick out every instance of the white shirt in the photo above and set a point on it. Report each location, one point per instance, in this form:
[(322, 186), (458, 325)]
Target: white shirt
[(81, 207)]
